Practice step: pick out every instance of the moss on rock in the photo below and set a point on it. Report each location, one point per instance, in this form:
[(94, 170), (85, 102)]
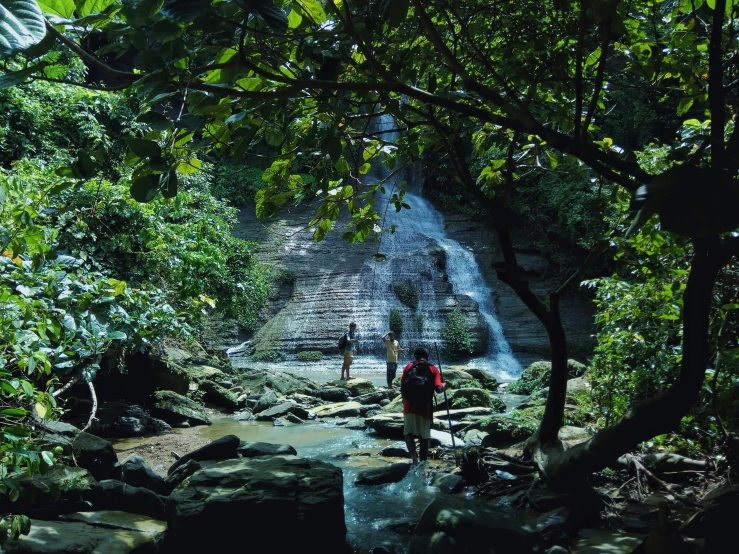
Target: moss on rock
[(536, 376)]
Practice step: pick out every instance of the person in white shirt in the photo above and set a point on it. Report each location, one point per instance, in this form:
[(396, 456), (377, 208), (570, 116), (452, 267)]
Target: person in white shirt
[(393, 348)]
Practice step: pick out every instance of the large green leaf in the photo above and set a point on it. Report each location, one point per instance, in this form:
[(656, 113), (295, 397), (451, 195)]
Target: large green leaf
[(86, 7), (185, 10), (17, 77), (274, 16), (21, 26), (146, 188), (62, 8), (144, 148)]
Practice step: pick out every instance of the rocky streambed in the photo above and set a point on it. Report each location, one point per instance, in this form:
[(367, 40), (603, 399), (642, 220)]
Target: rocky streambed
[(223, 457)]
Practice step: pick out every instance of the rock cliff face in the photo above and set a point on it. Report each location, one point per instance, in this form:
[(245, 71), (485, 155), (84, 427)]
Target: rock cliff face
[(328, 284), (324, 286), (526, 336)]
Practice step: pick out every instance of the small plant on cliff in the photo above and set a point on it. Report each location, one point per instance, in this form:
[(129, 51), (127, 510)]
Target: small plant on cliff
[(310, 356), (419, 323), (456, 334), (407, 294), (396, 322)]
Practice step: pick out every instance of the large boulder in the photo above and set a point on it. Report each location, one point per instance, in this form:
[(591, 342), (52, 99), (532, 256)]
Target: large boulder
[(356, 386), (382, 475), (504, 431), (386, 425), (474, 397), (112, 532), (224, 448), (536, 376), (258, 382), (255, 449), (458, 378), (576, 387), (90, 452), (117, 495), (395, 406), (279, 410), (210, 511), (117, 419), (219, 395), (487, 381), (378, 396), (332, 394), (450, 524), (136, 472), (340, 409), (266, 401), (180, 474), (176, 409)]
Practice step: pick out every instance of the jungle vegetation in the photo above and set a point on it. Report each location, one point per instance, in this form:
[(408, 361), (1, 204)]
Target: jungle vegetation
[(614, 119)]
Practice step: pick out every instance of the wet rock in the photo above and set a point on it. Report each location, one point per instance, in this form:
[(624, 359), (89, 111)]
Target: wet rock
[(356, 424), (245, 415), (117, 495), (575, 387), (111, 532), (386, 425), (224, 448), (441, 438), (332, 394), (384, 403), (266, 401), (61, 428), (280, 410), (473, 397), (356, 386), (448, 483), (400, 525), (180, 474), (282, 422), (395, 406), (378, 396), (256, 449), (57, 491), (174, 409), (304, 496), (474, 437), (292, 418), (371, 410), (117, 419), (456, 378), (450, 524), (382, 475), (259, 382), (340, 409), (136, 472), (219, 395), (396, 450), (92, 453), (487, 381)]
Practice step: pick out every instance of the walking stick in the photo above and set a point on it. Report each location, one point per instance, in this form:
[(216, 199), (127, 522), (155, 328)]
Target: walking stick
[(446, 402)]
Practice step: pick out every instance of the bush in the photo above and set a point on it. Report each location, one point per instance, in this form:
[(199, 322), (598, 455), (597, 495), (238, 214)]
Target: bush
[(269, 356), (396, 322), (407, 294), (419, 323), (310, 356), (456, 335)]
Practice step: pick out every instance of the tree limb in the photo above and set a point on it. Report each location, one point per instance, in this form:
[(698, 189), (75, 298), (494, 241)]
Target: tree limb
[(94, 410), (716, 91)]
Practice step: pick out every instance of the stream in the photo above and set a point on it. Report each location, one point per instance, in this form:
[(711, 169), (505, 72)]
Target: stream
[(371, 512)]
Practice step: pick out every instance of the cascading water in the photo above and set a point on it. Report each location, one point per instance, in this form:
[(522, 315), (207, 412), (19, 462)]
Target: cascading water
[(418, 231)]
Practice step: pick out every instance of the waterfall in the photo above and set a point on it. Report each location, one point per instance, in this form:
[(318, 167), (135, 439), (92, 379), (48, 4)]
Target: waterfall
[(419, 232)]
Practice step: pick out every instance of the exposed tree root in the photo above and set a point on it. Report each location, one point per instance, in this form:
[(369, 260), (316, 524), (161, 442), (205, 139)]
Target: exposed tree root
[(94, 410)]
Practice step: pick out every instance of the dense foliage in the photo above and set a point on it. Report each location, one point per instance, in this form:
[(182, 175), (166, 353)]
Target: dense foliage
[(456, 334)]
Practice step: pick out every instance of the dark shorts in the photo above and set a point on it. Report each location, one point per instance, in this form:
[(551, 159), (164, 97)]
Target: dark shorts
[(392, 369)]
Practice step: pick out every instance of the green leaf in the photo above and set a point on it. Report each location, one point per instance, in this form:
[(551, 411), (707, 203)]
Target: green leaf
[(144, 148), (274, 16), (168, 184), (364, 168), (314, 10), (18, 77), (332, 146), (155, 120), (13, 412), (21, 26), (146, 188), (185, 11), (40, 410), (294, 19), (62, 8), (116, 335), (86, 7)]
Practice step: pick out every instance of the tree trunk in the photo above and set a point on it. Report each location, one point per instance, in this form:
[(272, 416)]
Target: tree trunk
[(659, 415)]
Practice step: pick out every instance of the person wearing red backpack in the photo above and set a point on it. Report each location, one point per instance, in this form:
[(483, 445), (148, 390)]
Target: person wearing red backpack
[(417, 386)]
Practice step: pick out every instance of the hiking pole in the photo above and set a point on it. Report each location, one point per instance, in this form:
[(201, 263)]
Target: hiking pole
[(446, 402)]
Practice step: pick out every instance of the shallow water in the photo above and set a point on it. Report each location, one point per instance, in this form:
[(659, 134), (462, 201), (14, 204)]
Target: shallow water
[(368, 511)]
